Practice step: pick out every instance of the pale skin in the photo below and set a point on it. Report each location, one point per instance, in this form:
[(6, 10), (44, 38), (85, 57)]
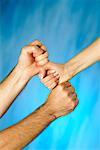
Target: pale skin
[(19, 135), (56, 73), (83, 60), (26, 68), (60, 102), (57, 104)]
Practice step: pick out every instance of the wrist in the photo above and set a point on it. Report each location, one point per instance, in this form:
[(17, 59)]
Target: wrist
[(23, 72), (67, 72), (48, 110)]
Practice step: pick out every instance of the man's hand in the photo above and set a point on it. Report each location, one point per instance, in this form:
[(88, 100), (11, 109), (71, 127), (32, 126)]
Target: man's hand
[(32, 57), (62, 100)]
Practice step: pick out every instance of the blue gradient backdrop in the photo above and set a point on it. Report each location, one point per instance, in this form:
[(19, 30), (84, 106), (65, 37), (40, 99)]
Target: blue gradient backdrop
[(65, 27)]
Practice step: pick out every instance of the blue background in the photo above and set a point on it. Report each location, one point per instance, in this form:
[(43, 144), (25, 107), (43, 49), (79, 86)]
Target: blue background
[(65, 27)]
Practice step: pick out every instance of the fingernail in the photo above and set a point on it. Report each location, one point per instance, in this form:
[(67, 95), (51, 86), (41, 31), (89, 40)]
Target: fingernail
[(41, 76)]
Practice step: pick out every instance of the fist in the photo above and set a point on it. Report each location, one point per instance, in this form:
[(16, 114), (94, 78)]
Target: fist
[(62, 99), (32, 57), (54, 74)]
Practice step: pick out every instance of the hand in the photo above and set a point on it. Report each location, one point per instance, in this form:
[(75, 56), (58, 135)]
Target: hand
[(55, 73), (62, 100), (32, 57)]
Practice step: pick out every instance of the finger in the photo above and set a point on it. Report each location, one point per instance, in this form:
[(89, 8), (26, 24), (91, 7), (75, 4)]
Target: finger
[(73, 96), (71, 89), (41, 57), (37, 51), (50, 82), (76, 102), (53, 85), (36, 42), (48, 66), (50, 72), (47, 78), (57, 76), (55, 73), (32, 50), (44, 47), (42, 62), (42, 73), (66, 86)]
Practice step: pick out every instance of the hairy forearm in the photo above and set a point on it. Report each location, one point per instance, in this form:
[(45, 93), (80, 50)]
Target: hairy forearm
[(11, 87), (86, 58), (19, 135)]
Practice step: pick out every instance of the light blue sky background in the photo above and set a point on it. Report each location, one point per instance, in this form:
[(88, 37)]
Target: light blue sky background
[(65, 27)]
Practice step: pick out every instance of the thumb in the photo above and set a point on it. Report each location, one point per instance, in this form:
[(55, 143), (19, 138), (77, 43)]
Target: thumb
[(42, 73), (48, 65), (44, 69)]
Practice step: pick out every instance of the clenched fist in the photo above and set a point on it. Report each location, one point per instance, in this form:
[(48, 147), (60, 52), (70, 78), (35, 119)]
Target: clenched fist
[(32, 57), (62, 100)]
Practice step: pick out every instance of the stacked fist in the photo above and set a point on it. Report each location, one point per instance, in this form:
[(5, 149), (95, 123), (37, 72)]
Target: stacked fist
[(34, 60)]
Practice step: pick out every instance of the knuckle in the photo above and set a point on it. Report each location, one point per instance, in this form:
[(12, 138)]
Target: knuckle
[(45, 54), (51, 75), (40, 63), (54, 79), (73, 89), (46, 84), (24, 48), (37, 41), (77, 102), (54, 84), (61, 87), (34, 47), (45, 61), (49, 87), (72, 105), (36, 59)]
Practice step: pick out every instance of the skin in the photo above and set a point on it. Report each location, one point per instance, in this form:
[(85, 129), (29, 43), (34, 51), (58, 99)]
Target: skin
[(31, 60), (60, 102), (83, 60)]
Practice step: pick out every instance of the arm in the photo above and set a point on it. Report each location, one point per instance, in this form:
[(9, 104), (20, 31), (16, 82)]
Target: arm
[(11, 87), (22, 73), (65, 72), (83, 60), (61, 101), (19, 135)]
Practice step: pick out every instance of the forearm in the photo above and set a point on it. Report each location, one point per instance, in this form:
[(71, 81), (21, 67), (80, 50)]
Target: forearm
[(86, 58), (11, 87), (16, 137)]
